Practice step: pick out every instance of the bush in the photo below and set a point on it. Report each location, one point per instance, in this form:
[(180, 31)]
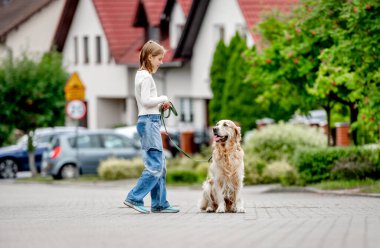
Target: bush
[(360, 163), (253, 169), (182, 176), (279, 142), (114, 169), (318, 164), (280, 172), (185, 170), (179, 170)]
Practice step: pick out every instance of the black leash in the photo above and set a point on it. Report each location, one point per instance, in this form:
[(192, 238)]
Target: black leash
[(171, 109)]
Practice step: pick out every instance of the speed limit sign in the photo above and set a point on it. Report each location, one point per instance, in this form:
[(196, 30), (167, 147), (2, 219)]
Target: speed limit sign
[(76, 109)]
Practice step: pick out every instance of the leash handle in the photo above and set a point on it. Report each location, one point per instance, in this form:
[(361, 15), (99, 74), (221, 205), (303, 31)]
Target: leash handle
[(170, 110)]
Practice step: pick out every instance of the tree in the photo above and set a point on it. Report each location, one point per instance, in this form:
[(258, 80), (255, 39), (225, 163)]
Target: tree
[(322, 54), (32, 95), (350, 68), (238, 101), (218, 79), (282, 69)]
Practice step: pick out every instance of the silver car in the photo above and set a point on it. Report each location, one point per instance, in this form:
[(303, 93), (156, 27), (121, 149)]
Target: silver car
[(81, 153)]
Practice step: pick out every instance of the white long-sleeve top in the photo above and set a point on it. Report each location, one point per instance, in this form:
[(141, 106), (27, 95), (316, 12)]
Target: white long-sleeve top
[(146, 94)]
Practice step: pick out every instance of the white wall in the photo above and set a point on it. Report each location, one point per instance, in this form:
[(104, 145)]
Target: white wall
[(35, 35), (105, 80), (177, 18)]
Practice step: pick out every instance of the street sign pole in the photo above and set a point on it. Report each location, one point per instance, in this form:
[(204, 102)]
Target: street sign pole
[(76, 110)]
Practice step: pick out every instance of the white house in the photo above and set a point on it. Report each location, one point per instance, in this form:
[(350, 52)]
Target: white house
[(28, 26), (100, 40)]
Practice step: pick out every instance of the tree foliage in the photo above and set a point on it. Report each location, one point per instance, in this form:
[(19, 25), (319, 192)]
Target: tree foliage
[(238, 96), (326, 52), (218, 79), (31, 93)]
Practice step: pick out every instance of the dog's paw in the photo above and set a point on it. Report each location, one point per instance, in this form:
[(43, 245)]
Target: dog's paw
[(210, 210), (233, 210), (241, 210), (220, 210)]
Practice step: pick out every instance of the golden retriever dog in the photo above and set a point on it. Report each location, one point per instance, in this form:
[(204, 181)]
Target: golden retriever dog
[(222, 189)]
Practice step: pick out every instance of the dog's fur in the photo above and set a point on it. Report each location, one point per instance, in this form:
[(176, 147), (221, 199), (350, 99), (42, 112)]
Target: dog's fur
[(222, 189)]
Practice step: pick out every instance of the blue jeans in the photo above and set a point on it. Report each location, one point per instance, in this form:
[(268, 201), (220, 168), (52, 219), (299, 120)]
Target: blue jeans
[(153, 178)]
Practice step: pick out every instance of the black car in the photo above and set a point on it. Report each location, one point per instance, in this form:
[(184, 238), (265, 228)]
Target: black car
[(14, 158)]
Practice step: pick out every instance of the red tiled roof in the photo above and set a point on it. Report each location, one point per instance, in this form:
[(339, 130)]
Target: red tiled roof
[(252, 11), (153, 10), (117, 20), (185, 5), (131, 57), (124, 39)]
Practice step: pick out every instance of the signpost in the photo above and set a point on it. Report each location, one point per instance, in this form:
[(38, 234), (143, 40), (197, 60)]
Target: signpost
[(75, 107)]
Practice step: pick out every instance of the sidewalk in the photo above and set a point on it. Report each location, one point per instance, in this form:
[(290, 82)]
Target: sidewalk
[(92, 215)]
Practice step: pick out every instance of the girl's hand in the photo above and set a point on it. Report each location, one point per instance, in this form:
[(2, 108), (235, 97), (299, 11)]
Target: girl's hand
[(165, 105)]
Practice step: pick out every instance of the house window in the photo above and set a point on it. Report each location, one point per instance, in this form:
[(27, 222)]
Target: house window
[(179, 29), (98, 50), (242, 30), (85, 49), (154, 34), (186, 106), (76, 50), (219, 32), (109, 56)]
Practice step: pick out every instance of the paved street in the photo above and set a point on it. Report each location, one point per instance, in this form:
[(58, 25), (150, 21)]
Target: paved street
[(92, 215)]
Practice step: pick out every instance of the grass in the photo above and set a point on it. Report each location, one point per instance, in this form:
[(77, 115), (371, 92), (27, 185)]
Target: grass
[(48, 179), (365, 186)]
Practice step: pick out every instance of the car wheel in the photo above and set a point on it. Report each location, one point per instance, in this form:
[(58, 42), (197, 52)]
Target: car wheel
[(8, 168), (69, 171)]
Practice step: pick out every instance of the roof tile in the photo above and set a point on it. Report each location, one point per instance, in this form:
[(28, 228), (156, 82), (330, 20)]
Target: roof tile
[(154, 9), (185, 5), (253, 10), (117, 20)]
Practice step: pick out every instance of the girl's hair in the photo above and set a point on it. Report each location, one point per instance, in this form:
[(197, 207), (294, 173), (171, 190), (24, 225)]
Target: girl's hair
[(150, 48)]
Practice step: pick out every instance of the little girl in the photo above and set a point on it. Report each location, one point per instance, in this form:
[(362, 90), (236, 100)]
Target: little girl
[(148, 127)]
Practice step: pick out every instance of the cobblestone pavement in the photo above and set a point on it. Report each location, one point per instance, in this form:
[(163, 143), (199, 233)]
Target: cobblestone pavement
[(92, 215)]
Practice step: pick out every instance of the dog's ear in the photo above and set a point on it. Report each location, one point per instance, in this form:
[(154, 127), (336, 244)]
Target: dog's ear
[(237, 134)]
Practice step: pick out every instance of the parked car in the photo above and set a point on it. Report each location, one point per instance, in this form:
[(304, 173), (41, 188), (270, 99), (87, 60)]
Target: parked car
[(201, 138), (73, 154), (314, 117), (131, 132), (14, 158)]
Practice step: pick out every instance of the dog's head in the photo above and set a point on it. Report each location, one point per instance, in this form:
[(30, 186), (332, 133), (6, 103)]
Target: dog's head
[(226, 130)]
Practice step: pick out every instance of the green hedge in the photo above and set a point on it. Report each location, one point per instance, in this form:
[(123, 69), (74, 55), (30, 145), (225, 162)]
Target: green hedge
[(179, 170), (270, 150), (115, 169), (318, 164), (278, 142), (182, 176)]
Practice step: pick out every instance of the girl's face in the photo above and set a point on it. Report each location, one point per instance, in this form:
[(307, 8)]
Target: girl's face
[(156, 61)]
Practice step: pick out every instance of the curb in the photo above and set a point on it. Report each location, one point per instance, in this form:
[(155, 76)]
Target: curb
[(350, 192)]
